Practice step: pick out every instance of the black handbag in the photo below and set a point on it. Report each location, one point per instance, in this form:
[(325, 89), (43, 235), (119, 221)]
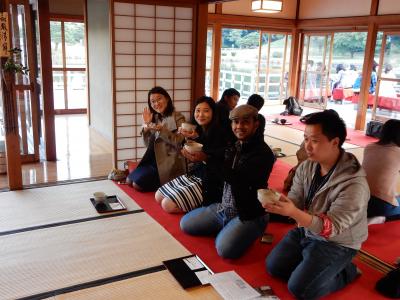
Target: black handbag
[(374, 129), (389, 285)]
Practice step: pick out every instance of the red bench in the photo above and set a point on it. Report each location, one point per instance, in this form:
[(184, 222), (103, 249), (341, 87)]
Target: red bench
[(389, 103)]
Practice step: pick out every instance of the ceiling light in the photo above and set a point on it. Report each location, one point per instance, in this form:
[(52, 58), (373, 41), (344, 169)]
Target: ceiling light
[(266, 6)]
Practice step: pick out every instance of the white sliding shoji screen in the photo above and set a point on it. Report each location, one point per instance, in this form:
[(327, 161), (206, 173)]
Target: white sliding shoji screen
[(152, 46)]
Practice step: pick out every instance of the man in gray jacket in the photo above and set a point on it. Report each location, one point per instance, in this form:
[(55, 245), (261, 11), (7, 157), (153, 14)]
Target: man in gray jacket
[(328, 200)]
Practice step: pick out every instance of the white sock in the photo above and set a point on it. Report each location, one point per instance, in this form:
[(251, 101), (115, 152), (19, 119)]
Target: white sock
[(376, 220)]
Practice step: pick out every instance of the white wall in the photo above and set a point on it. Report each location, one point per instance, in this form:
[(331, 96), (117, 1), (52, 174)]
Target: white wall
[(314, 9), (100, 79)]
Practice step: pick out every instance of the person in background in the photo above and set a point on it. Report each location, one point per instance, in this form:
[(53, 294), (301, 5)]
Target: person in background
[(374, 78), (204, 180), (238, 219), (257, 101), (352, 75), (382, 165), (229, 100), (386, 87), (328, 200), (162, 160)]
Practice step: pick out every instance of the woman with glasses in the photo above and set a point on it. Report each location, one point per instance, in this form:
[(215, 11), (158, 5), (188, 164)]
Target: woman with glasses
[(162, 161)]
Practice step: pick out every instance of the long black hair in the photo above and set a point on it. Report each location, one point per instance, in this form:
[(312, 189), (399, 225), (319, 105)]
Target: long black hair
[(390, 133), (211, 103), (170, 106)]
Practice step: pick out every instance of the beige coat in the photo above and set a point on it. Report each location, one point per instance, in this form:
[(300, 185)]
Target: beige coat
[(167, 146)]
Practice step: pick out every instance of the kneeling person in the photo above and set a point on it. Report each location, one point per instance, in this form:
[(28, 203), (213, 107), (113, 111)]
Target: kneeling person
[(237, 219), (328, 200)]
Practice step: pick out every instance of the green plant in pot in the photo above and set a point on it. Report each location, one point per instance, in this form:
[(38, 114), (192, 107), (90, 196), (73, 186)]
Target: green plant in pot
[(11, 67)]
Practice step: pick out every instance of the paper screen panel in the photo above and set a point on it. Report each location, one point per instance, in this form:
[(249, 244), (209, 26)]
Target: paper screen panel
[(145, 72), (165, 83), (125, 108), (125, 84), (125, 120), (126, 143), (165, 12), (125, 97), (145, 36), (165, 49), (124, 22), (124, 8), (145, 48), (124, 47), (145, 23), (124, 35), (165, 24), (153, 46), (144, 10), (165, 36)]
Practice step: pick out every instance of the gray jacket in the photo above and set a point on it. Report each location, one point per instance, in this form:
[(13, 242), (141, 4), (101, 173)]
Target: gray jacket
[(167, 146), (344, 199)]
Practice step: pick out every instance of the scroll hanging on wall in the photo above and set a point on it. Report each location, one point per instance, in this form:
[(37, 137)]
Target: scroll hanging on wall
[(4, 35)]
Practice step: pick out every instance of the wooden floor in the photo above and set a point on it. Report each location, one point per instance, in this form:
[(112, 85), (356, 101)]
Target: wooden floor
[(81, 153)]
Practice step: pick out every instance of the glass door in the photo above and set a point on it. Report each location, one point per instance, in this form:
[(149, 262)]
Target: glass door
[(25, 87), (314, 88), (387, 92)]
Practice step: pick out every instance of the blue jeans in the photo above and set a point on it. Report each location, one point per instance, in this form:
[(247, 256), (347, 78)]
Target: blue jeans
[(146, 177), (378, 207), (312, 267), (234, 236)]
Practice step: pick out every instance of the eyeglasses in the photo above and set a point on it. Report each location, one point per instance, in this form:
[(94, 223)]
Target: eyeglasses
[(156, 101)]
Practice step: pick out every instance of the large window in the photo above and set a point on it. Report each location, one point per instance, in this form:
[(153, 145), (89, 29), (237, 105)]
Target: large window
[(208, 61), (387, 102), (254, 61), (69, 66)]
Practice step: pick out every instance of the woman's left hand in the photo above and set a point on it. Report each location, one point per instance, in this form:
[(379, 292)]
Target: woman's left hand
[(194, 156)]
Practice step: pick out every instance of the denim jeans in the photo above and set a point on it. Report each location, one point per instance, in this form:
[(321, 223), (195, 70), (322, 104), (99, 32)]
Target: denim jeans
[(378, 207), (312, 267), (233, 237)]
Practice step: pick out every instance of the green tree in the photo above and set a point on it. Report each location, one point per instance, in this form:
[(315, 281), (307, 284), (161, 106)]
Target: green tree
[(349, 42)]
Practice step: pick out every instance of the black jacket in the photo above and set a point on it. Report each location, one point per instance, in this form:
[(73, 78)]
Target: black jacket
[(250, 172), (215, 142)]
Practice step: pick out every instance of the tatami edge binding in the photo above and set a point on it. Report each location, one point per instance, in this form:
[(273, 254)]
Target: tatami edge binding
[(57, 224), (95, 283)]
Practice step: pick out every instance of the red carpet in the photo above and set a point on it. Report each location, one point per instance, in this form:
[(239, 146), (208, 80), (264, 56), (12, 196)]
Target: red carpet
[(384, 241), (355, 137), (250, 266)]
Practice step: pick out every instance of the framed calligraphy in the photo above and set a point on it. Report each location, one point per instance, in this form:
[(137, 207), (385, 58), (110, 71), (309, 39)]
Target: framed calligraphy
[(4, 35)]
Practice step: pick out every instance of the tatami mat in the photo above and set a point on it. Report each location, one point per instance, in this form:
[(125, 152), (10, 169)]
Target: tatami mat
[(291, 135), (48, 259), (33, 207), (287, 148), (160, 285)]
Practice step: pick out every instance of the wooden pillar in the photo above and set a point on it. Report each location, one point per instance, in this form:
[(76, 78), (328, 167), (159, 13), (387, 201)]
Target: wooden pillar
[(201, 50), (47, 80), (367, 68), (216, 60), (366, 76), (13, 152), (294, 70), (10, 114)]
